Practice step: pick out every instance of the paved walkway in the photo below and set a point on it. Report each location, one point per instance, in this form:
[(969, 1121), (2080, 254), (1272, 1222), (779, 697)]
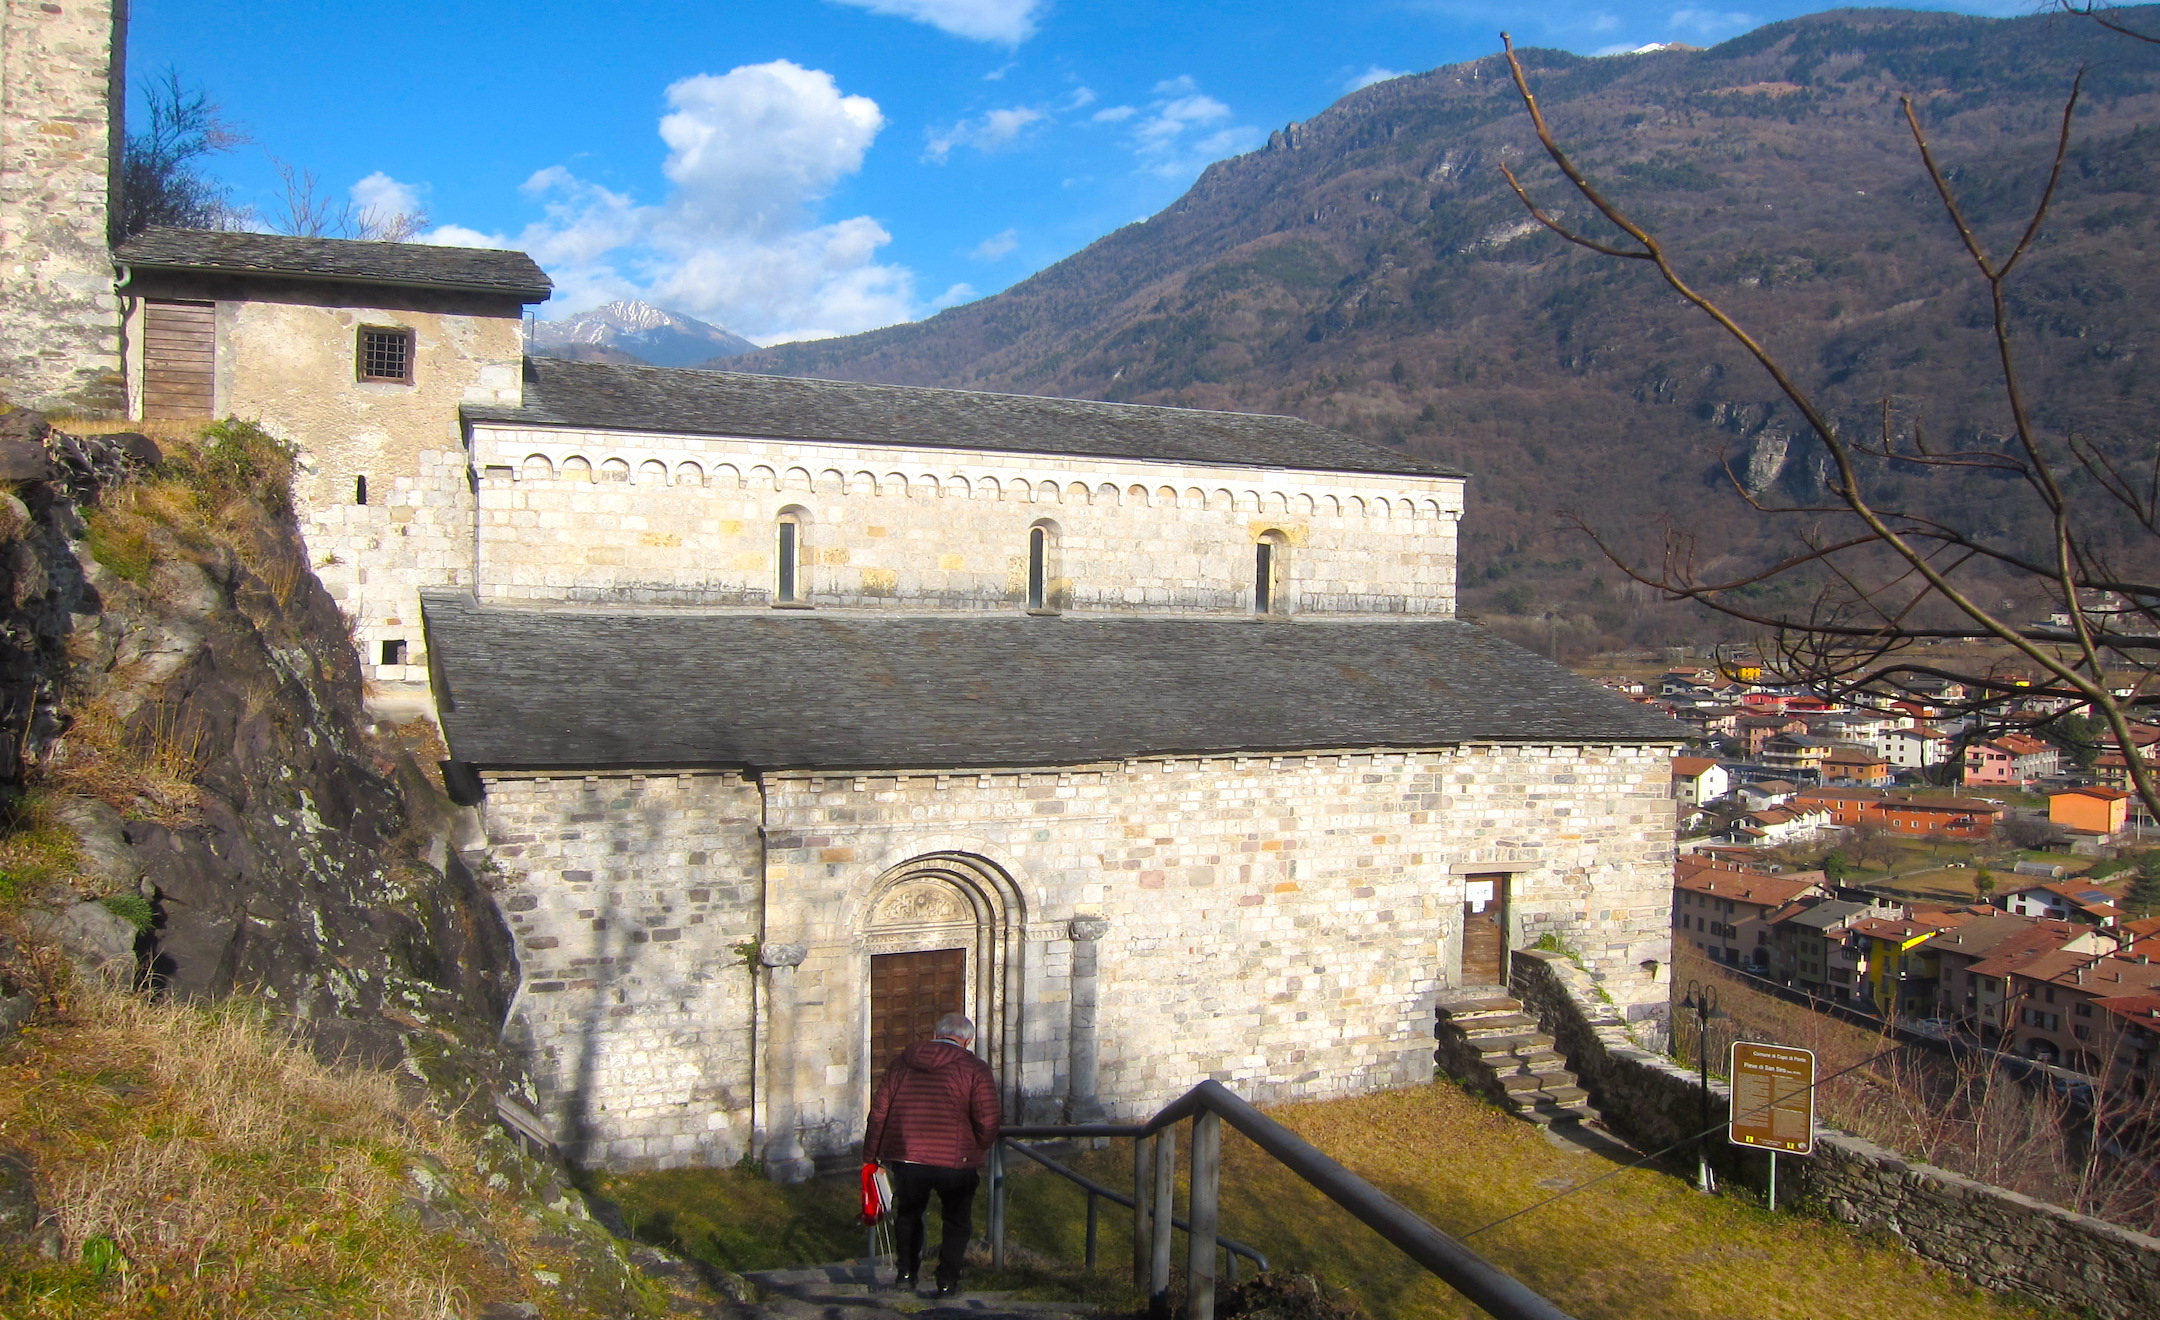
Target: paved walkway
[(845, 1292)]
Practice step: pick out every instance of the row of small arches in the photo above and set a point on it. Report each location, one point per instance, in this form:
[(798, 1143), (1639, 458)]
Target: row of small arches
[(652, 472)]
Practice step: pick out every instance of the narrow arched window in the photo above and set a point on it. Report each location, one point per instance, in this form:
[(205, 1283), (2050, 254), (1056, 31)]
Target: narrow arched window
[(1263, 578), (785, 588), (1038, 577)]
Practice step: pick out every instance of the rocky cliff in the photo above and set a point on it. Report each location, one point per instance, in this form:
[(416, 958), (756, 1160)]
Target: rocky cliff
[(199, 801)]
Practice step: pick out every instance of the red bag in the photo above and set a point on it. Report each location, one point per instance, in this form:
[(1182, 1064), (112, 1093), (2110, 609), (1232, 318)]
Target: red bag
[(877, 1197)]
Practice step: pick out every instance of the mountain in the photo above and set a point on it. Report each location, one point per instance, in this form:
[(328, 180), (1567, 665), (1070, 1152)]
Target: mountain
[(1370, 270), (636, 333)]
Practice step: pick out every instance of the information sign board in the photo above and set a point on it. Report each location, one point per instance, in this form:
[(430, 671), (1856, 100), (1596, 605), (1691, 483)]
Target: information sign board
[(1773, 1098)]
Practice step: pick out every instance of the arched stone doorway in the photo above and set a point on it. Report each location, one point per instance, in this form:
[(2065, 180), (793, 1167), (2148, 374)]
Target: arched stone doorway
[(943, 927)]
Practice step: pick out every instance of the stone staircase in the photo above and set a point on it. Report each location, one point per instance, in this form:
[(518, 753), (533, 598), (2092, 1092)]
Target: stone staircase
[(850, 1290), (1492, 1047)]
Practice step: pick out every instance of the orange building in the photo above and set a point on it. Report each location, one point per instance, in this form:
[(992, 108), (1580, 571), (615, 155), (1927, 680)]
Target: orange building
[(2093, 810), (1952, 818)]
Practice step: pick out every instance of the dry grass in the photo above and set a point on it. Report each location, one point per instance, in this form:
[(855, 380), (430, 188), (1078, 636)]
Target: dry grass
[(1637, 1245), (147, 772), (200, 1165)]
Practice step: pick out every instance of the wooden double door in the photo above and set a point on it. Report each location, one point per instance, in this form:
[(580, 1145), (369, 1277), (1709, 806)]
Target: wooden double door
[(909, 992)]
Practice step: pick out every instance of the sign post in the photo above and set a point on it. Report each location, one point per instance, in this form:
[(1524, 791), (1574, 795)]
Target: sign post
[(1773, 1101)]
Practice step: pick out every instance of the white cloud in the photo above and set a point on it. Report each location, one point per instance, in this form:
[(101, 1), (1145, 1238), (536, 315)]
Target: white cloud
[(1180, 134), (379, 194), (986, 132), (953, 297), (1007, 22), (751, 153), (1373, 74), (1114, 114), (1711, 22), (997, 246)]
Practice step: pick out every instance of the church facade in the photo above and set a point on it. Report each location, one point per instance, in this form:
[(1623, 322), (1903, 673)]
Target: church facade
[(794, 713), (791, 714)]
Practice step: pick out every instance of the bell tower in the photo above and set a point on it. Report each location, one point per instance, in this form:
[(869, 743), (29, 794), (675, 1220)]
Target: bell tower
[(62, 87)]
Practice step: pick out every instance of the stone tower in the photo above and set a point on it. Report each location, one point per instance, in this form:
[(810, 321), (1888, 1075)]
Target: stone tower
[(62, 82)]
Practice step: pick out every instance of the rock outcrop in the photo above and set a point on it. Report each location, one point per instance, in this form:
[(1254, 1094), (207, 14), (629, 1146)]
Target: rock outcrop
[(185, 710)]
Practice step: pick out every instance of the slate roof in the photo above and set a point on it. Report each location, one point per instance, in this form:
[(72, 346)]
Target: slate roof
[(568, 688), (343, 260), (680, 400)]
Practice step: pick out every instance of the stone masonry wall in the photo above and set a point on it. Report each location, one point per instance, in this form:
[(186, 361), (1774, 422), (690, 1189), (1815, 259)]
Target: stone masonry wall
[(59, 128), (286, 359), (644, 519), (1997, 1238), (1281, 924), (628, 897)]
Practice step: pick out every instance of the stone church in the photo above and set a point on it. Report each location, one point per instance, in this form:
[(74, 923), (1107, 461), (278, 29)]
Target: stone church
[(794, 713)]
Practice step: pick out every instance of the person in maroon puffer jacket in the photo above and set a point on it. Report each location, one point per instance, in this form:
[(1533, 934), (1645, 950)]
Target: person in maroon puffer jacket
[(932, 1118)]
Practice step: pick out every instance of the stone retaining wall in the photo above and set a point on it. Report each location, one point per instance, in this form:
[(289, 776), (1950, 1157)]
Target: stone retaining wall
[(1994, 1237)]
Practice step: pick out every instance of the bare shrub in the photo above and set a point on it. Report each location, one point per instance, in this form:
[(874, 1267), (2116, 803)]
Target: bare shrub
[(1965, 1112)]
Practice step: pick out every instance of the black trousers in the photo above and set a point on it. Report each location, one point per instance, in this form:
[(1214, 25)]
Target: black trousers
[(955, 1188)]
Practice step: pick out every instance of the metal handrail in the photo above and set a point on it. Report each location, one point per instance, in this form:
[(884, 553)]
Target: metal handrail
[(1211, 1103), (1230, 1246)]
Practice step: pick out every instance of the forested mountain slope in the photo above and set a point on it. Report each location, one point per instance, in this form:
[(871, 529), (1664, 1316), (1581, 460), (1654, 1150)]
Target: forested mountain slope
[(1370, 270)]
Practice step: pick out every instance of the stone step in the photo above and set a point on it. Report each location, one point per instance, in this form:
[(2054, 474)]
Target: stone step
[(1509, 1046), (1462, 1008), (1545, 1113), (852, 1289), (1543, 1055), (1513, 1082), (1498, 1022), (1566, 1094)]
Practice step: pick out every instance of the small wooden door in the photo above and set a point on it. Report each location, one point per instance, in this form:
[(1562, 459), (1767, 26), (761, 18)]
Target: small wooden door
[(909, 992), (179, 359), (1484, 930)]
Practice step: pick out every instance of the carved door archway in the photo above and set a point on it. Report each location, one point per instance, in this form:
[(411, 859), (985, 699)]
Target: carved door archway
[(923, 913)]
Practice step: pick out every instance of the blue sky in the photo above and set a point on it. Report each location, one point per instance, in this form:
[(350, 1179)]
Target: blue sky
[(793, 168)]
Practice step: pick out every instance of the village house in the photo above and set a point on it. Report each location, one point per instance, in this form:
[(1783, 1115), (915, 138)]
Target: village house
[(1754, 732), (1799, 755), (1853, 766), (2074, 899), (1810, 950), (1996, 939), (1898, 962), (2013, 760), (1723, 912), (1794, 822), (2101, 811), (1912, 816), (1698, 779), (1766, 793), (1916, 748), (2057, 1016)]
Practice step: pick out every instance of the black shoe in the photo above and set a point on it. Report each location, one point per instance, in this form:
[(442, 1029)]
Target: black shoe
[(948, 1287), (904, 1283)]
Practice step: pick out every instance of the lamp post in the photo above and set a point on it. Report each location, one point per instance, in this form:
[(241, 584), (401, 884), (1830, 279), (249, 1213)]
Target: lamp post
[(1702, 1000)]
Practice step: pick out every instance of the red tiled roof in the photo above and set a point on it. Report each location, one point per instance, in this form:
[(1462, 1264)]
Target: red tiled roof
[(1744, 886), (1691, 767), (2142, 1009)]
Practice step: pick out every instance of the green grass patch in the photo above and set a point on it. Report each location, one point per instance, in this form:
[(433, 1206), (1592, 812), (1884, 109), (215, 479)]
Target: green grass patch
[(35, 849), (122, 544)]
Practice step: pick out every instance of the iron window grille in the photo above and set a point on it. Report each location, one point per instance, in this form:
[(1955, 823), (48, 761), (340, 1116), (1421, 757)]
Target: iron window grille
[(386, 354)]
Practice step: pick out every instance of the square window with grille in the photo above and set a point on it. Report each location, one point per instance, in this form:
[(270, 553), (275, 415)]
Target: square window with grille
[(386, 353)]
